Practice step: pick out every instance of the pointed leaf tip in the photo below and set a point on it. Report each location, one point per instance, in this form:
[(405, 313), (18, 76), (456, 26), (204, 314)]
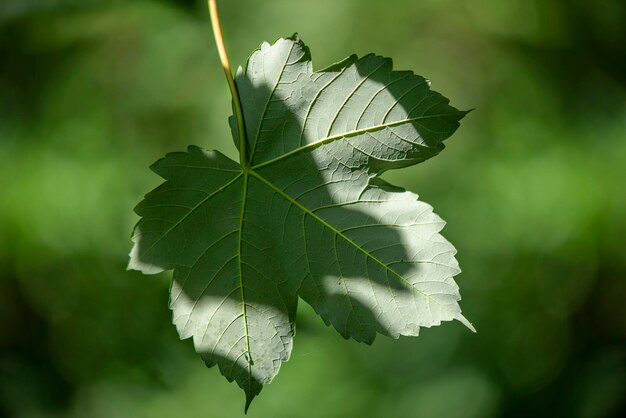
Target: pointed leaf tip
[(249, 400), (467, 323)]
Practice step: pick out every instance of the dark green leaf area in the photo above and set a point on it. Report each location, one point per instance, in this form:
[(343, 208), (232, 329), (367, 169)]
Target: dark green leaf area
[(308, 217)]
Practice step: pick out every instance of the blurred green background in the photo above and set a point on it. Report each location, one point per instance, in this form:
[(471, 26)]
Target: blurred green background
[(532, 186)]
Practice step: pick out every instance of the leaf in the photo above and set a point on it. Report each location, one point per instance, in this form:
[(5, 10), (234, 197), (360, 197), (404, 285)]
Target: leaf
[(308, 218)]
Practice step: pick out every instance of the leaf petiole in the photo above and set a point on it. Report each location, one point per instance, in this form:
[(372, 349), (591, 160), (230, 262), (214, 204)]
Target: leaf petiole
[(219, 42)]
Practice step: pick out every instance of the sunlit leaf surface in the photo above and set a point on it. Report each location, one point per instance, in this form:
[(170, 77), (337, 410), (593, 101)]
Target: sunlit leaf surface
[(307, 217)]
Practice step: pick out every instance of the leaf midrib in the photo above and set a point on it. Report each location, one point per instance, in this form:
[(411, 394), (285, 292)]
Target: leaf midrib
[(192, 210), (343, 135), (269, 99), (347, 239), (240, 266)]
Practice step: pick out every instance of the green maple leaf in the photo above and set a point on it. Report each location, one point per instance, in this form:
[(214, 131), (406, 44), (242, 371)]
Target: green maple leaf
[(308, 215)]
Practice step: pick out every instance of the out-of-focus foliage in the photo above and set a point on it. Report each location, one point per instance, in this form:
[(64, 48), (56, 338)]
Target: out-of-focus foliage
[(92, 92)]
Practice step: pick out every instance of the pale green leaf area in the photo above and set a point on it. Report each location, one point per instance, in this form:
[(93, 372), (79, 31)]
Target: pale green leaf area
[(307, 216)]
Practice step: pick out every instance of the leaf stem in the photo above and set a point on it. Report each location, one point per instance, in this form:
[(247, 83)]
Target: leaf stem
[(219, 42)]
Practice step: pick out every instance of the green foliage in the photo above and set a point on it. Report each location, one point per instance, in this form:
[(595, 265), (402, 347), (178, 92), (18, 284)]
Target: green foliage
[(307, 214), (531, 189)]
